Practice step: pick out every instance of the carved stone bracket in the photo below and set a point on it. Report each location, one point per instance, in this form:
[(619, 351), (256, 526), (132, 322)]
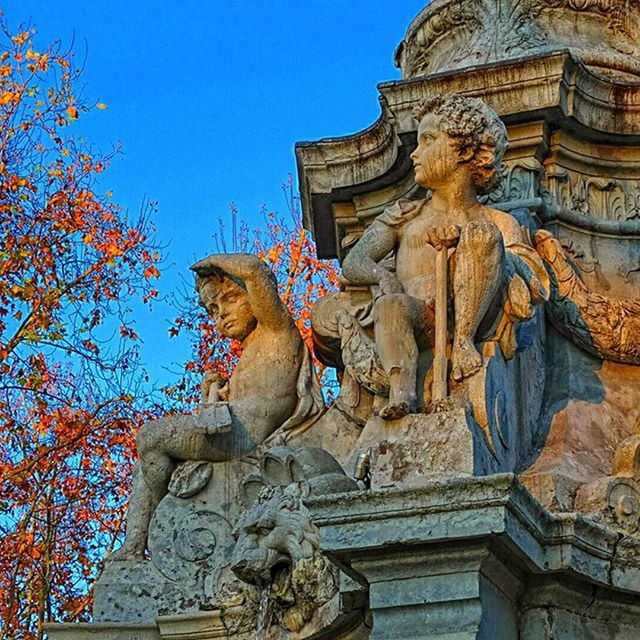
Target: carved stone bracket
[(615, 500)]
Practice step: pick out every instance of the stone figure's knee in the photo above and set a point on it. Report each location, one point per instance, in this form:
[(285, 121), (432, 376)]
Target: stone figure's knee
[(480, 236), (146, 438)]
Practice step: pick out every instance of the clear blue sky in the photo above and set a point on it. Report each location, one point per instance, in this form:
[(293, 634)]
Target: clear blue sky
[(208, 98)]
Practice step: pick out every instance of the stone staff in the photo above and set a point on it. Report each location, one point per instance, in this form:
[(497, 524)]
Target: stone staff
[(440, 391)]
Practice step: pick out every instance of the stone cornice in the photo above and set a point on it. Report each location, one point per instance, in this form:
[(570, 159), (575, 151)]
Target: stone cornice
[(494, 508), (554, 87)]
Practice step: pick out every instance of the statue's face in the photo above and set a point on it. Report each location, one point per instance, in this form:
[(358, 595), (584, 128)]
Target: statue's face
[(436, 158), (229, 305)]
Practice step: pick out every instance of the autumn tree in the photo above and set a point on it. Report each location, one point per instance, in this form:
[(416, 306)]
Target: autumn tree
[(287, 247), (70, 263)]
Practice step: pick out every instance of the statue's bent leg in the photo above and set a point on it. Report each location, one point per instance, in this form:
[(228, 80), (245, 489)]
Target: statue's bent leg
[(478, 277), (141, 507), (397, 319), (160, 444)]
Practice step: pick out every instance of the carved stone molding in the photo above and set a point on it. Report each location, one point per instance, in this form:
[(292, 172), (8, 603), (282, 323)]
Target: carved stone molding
[(598, 181), (454, 34)]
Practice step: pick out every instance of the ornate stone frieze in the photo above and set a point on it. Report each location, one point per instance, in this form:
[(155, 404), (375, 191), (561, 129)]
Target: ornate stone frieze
[(456, 34), (520, 181), (603, 326)]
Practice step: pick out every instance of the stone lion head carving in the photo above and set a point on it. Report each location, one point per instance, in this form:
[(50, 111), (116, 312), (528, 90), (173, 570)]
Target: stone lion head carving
[(277, 545)]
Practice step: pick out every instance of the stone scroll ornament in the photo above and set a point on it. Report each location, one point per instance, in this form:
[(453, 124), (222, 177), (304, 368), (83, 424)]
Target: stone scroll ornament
[(272, 394), (277, 551), (444, 262), (606, 327)]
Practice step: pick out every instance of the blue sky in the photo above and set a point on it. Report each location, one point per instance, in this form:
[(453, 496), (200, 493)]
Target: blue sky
[(208, 99)]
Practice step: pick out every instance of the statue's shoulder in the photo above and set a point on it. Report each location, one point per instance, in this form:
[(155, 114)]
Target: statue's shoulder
[(508, 224), (401, 212)]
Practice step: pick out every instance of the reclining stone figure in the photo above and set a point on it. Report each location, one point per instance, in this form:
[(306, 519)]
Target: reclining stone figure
[(273, 387)]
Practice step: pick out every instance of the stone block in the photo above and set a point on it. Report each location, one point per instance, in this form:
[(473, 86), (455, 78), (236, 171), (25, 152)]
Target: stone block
[(102, 631), (418, 447)]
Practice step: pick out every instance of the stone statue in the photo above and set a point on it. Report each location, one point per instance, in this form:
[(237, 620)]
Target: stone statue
[(273, 387), (496, 277)]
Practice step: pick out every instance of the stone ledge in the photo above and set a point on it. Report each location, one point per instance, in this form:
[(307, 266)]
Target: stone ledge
[(101, 631), (496, 509)]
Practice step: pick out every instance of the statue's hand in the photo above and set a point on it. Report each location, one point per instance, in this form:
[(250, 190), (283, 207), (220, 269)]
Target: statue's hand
[(443, 237), (390, 284), (213, 418), (212, 385)]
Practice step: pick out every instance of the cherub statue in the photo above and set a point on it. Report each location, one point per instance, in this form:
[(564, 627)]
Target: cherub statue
[(273, 387), (461, 143)]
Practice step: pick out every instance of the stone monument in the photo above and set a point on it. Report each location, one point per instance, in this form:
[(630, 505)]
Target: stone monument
[(478, 476)]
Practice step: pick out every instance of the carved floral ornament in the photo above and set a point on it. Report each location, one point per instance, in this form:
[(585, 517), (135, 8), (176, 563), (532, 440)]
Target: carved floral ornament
[(594, 196), (478, 31)]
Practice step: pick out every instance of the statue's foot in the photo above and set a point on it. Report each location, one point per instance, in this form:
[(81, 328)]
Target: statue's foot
[(126, 552), (465, 360), (397, 409)]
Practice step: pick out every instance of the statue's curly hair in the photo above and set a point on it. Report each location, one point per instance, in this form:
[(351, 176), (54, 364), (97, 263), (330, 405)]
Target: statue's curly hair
[(474, 127)]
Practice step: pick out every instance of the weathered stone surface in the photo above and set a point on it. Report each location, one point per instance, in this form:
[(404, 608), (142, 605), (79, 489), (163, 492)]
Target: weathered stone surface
[(276, 559), (454, 34), (410, 451), (102, 631), (564, 610), (478, 558), (591, 407), (342, 618), (190, 541)]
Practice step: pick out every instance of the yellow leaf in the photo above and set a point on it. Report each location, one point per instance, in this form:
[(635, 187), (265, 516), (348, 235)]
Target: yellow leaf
[(72, 112), (101, 105)]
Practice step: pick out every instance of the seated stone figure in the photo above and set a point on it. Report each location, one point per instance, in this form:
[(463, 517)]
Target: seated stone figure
[(495, 276), (272, 387)]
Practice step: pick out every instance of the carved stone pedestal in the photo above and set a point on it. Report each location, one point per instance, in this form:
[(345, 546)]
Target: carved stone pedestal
[(189, 540), (342, 618), (409, 451), (480, 559)]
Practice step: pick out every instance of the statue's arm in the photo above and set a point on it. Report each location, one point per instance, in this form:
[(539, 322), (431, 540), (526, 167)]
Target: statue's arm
[(362, 266), (256, 275)]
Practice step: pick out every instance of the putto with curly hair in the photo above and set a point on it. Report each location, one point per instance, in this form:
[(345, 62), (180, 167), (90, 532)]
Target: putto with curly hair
[(495, 277), (477, 130)]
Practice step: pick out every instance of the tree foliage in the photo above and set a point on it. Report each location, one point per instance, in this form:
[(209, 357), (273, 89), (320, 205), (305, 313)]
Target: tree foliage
[(70, 262), (71, 383)]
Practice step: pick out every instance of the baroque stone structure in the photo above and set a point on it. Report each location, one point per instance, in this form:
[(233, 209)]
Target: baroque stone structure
[(487, 338)]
